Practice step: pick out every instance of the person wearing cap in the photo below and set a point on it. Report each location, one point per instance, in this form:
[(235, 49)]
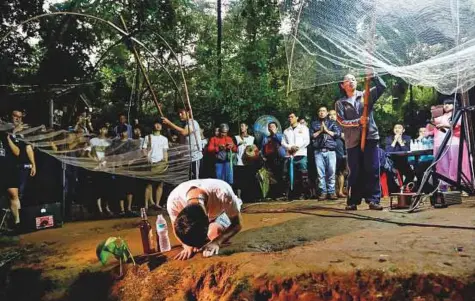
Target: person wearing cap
[(224, 149), (204, 214)]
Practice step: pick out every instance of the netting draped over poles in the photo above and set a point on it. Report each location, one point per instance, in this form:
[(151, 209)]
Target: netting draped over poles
[(117, 157), (425, 42), (127, 157)]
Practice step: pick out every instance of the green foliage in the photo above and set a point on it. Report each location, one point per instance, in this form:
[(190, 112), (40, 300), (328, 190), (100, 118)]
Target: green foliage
[(113, 246), (254, 73)]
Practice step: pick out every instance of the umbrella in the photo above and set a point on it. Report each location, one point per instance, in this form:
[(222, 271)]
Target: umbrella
[(291, 172), (265, 178)]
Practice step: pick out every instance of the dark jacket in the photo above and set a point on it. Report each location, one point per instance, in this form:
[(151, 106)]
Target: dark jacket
[(398, 147), (349, 112), (324, 140)]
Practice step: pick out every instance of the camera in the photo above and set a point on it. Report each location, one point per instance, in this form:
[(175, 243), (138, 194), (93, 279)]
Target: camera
[(437, 111)]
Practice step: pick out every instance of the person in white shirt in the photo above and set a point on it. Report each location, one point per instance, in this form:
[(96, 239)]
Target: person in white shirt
[(244, 171), (192, 133), (295, 141), (202, 210), (156, 147), (101, 180)]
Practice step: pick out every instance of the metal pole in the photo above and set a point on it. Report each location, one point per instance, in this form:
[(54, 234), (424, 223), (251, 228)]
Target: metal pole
[(469, 135), (51, 113), (64, 192)]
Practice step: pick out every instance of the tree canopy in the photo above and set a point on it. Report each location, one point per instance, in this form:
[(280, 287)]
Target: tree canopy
[(70, 58)]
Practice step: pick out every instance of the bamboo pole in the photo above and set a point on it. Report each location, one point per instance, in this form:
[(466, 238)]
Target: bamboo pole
[(142, 69)]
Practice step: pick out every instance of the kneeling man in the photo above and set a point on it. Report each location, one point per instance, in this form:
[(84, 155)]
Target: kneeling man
[(204, 214)]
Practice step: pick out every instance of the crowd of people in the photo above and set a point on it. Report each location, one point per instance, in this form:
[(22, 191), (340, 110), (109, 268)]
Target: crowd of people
[(321, 160)]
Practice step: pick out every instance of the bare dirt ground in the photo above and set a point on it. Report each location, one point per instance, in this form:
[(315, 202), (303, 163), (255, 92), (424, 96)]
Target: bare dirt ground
[(304, 250)]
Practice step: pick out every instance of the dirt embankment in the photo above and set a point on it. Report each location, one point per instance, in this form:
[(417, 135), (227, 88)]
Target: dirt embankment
[(218, 282), (295, 251)]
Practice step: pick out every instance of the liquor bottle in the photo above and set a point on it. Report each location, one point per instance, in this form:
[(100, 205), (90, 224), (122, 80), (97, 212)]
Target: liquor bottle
[(146, 233)]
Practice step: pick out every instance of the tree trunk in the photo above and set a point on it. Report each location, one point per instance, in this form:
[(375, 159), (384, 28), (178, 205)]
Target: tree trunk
[(220, 37), (137, 102)]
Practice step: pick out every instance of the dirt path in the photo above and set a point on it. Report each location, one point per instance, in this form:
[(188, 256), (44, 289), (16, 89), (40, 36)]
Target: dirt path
[(304, 250)]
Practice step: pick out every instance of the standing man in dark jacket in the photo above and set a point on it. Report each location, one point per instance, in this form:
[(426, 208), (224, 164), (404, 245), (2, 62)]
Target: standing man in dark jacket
[(323, 133), (363, 180)]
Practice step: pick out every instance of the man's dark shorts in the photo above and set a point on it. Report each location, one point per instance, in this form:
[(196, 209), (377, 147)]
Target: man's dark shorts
[(9, 176)]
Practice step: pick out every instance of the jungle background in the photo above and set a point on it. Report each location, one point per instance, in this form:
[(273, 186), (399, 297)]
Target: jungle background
[(233, 56)]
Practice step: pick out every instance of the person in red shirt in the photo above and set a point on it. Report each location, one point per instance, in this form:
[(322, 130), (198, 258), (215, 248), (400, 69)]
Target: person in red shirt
[(224, 150)]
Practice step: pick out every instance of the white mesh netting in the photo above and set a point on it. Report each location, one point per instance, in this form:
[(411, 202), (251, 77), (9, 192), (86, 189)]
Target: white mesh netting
[(114, 156), (425, 42)]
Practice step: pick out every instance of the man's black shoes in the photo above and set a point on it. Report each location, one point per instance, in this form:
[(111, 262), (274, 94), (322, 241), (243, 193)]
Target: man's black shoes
[(375, 206)]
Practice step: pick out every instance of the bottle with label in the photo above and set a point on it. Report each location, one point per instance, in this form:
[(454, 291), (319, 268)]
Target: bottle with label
[(146, 233), (163, 241)]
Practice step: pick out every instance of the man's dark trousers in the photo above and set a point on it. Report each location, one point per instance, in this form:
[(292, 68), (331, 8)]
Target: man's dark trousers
[(363, 180)]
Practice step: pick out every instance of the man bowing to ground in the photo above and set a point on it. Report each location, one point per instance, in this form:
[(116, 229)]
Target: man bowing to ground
[(204, 214)]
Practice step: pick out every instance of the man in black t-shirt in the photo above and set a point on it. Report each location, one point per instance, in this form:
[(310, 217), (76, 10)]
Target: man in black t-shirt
[(10, 148), (26, 159)]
